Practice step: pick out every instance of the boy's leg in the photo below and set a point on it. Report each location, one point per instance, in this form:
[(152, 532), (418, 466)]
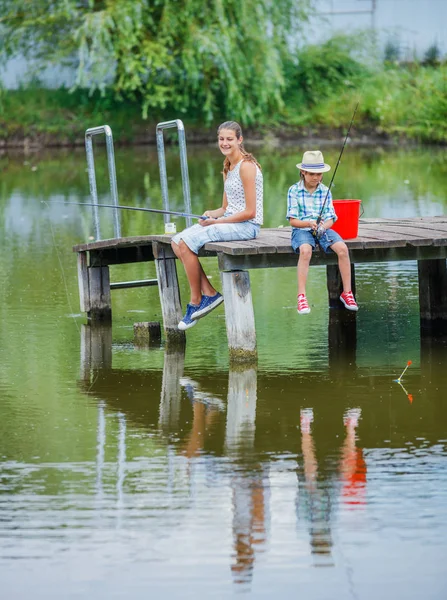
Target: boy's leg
[(344, 264), (303, 267)]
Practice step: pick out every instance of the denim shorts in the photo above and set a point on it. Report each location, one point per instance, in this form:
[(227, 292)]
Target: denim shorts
[(304, 236), (197, 236)]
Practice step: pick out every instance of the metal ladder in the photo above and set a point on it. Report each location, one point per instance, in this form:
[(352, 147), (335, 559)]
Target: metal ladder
[(114, 188)]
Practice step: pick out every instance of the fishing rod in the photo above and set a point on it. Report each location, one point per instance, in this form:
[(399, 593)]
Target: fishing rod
[(336, 166), (154, 210)]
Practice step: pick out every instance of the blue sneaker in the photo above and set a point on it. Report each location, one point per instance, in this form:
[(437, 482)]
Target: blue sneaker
[(187, 320), (207, 304)]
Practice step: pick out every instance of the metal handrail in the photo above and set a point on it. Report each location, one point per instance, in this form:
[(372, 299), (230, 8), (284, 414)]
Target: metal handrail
[(183, 165), (112, 177)]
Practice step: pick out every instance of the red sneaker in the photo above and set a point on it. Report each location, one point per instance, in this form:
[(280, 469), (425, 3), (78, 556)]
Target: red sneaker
[(349, 301), (303, 307)]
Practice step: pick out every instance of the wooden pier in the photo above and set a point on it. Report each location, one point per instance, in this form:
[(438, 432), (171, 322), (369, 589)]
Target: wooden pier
[(380, 240)]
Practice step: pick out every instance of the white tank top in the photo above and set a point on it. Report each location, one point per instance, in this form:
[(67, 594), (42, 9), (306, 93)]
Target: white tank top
[(234, 190)]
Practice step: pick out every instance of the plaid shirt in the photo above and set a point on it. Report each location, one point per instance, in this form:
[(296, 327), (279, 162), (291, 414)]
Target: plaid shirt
[(305, 206)]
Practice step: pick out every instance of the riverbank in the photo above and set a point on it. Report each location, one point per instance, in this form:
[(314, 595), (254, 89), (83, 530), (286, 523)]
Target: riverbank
[(32, 141), (398, 107)]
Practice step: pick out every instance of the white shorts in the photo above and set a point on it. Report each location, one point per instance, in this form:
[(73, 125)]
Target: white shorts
[(197, 236)]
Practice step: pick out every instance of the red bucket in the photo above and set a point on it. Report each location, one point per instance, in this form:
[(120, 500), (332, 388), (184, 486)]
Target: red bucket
[(348, 213)]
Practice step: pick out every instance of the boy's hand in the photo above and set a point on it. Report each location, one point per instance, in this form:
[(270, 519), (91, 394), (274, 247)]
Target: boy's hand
[(321, 230), (312, 224)]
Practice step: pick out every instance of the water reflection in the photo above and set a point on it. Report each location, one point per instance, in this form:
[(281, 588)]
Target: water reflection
[(146, 469), (244, 446), (318, 494), (250, 481)]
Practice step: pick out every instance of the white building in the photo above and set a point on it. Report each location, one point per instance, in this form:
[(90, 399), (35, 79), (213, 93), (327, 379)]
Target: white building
[(412, 25)]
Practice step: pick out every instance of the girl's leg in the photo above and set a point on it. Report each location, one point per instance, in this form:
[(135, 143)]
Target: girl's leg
[(303, 267), (344, 264), (198, 281)]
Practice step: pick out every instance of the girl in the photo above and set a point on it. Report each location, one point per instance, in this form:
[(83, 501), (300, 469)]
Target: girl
[(305, 202), (239, 218)]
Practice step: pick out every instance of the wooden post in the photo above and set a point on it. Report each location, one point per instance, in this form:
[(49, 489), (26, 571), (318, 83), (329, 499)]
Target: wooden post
[(239, 315), (433, 296), (171, 307), (335, 286), (99, 294), (147, 333)]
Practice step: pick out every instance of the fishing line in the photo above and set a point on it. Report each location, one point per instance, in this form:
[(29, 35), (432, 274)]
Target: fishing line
[(61, 269), (336, 166)]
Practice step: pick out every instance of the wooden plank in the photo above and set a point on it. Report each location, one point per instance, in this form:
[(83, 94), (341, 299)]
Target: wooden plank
[(373, 234), (120, 285), (367, 255), (235, 248), (115, 243)]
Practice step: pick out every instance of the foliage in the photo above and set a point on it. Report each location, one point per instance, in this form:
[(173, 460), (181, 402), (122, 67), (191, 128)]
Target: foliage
[(397, 102), (65, 115), (202, 58), (320, 71), (392, 52), (432, 56)]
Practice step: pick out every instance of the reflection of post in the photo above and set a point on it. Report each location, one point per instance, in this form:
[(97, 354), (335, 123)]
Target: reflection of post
[(170, 389), (100, 446), (96, 349), (241, 411), (249, 484), (433, 359), (342, 339), (121, 464)]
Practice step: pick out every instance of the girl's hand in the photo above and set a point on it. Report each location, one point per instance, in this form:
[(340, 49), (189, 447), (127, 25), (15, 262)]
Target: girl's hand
[(312, 224), (208, 221)]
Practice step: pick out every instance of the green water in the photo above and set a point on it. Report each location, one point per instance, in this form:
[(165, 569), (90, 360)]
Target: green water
[(129, 472)]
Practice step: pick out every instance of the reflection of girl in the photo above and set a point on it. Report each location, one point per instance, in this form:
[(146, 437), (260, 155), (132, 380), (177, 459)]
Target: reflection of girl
[(239, 218)]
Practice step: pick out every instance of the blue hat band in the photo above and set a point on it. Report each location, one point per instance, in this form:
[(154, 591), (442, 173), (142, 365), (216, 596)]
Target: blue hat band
[(317, 166)]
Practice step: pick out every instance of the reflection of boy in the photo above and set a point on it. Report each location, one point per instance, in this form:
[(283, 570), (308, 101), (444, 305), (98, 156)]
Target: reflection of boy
[(318, 498)]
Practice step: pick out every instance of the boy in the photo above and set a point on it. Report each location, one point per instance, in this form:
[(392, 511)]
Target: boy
[(305, 201)]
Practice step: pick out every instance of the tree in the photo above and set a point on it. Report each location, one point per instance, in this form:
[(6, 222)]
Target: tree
[(204, 58)]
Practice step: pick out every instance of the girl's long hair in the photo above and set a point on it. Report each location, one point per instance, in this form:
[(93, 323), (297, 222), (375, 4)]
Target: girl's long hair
[(233, 126)]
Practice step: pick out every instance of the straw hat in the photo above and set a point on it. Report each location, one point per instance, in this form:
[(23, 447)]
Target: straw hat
[(313, 162)]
